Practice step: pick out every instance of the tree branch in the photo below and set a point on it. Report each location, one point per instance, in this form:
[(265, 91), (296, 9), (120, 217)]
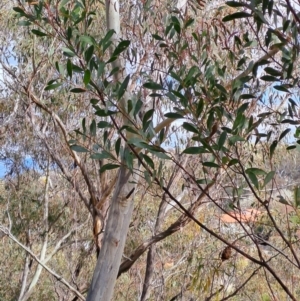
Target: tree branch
[(58, 277)]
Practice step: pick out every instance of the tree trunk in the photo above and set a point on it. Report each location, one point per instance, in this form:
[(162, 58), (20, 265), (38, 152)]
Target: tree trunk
[(109, 261)]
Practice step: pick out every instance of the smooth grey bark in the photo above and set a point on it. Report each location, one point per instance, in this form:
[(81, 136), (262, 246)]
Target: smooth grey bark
[(106, 271), (109, 260)]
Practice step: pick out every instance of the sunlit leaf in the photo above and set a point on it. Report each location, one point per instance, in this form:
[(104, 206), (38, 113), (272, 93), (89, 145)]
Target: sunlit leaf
[(253, 179), (256, 171), (86, 78), (52, 87), (270, 175)]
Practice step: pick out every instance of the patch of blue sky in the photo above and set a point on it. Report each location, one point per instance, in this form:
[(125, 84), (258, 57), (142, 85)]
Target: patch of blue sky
[(28, 164), (2, 170)]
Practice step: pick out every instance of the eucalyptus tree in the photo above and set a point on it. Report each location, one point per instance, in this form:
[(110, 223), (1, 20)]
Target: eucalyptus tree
[(166, 74)]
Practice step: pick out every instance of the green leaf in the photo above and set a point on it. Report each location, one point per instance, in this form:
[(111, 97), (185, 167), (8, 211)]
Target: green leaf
[(83, 125), (148, 160), (24, 23), (103, 125), (286, 25), (265, 5), (297, 196), (190, 127), (86, 78), (173, 115), (60, 68), (189, 22), (121, 47), (176, 24), (282, 88), (137, 107), (148, 115), (194, 150), (200, 107), (294, 104), (282, 200), (101, 156), (87, 40), (157, 37), (253, 179), (273, 71), (153, 86), (77, 69), (69, 68), (107, 37), (204, 181), (78, 148), (256, 171), (117, 146), (160, 155), (52, 87), (147, 177), (272, 148), (211, 164), (290, 121), (93, 128), (101, 68), (162, 135), (108, 166), (129, 129), (221, 88), (237, 15), (38, 33), (239, 122), (129, 159), (269, 177), (113, 71), (222, 140), (68, 52), (19, 10), (232, 162), (242, 108), (234, 4), (123, 87), (104, 113), (259, 17), (78, 90), (234, 139), (89, 53), (283, 134), (247, 96), (269, 78)]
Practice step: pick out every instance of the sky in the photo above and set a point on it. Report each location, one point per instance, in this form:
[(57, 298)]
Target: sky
[(2, 170)]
